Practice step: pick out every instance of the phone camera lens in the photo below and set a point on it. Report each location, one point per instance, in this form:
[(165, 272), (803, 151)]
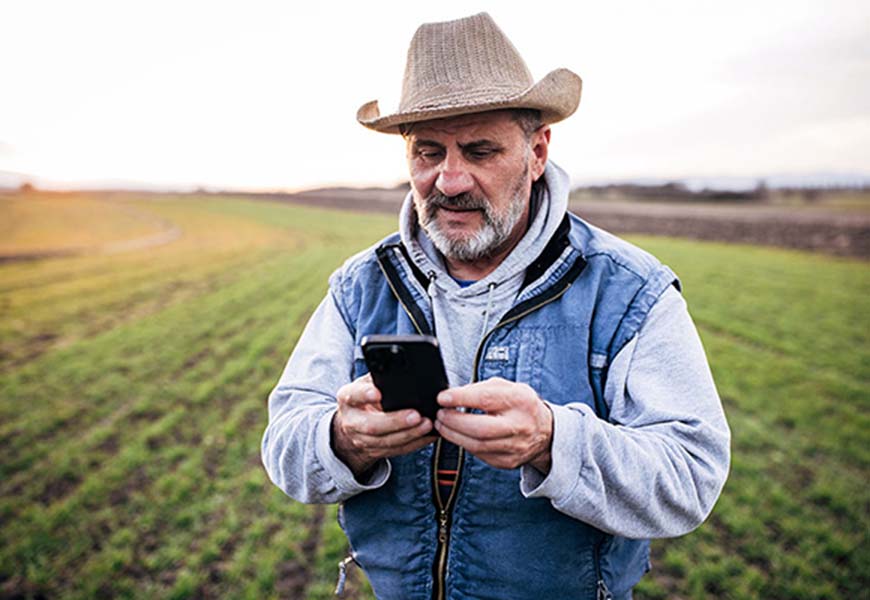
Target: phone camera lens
[(397, 357)]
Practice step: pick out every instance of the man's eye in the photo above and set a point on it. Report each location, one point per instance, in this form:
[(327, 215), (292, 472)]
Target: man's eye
[(480, 154), (429, 154)]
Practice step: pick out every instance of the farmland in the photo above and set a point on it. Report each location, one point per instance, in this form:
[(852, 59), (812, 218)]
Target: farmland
[(141, 336)]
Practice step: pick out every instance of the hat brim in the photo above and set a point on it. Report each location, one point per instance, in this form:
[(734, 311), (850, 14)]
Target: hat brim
[(557, 96)]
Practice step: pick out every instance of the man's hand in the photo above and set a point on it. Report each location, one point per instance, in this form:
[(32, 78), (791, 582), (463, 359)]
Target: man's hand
[(517, 428), (362, 433)]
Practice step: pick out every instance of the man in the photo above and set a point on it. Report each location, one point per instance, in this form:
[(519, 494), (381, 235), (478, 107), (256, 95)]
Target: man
[(591, 421)]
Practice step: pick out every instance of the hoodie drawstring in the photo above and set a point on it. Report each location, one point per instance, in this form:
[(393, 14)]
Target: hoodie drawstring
[(486, 312), (431, 290)]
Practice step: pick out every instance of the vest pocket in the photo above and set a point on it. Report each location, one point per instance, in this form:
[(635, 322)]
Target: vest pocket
[(516, 355), (499, 361)]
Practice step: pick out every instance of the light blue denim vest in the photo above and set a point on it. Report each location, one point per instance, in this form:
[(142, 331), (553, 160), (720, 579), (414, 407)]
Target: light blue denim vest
[(559, 338)]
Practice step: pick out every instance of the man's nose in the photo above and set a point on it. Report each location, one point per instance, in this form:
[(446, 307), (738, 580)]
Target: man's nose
[(454, 178)]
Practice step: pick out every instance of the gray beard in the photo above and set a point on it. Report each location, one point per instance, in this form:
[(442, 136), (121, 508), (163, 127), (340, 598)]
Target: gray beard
[(494, 232)]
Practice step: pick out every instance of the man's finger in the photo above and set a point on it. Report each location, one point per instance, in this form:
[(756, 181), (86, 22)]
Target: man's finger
[(359, 394), (474, 445), (481, 427), (379, 424), (395, 442), (484, 398)]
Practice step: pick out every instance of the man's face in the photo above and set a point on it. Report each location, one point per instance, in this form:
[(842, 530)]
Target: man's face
[(471, 177)]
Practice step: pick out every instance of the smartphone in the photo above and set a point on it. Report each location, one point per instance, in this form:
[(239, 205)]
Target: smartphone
[(408, 371)]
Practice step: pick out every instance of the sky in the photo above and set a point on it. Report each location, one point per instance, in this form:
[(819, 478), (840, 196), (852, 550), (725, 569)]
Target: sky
[(263, 95)]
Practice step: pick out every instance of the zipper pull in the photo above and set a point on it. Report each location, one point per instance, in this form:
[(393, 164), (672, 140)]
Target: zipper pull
[(342, 574), (442, 528), (603, 592)]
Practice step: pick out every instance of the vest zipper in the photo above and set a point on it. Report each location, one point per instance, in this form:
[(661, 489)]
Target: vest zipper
[(342, 573), (445, 508), (602, 593)]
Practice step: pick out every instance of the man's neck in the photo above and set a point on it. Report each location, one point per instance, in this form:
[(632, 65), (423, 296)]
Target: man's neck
[(473, 271)]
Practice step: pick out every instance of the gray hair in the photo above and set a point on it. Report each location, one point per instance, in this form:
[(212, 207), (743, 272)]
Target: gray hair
[(529, 120)]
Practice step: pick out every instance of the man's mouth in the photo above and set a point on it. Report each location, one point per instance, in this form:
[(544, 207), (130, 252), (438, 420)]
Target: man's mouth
[(457, 208)]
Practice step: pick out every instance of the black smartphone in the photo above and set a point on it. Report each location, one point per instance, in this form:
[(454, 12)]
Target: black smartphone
[(408, 371)]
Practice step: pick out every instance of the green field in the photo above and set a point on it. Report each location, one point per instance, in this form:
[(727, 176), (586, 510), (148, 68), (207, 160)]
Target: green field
[(133, 387)]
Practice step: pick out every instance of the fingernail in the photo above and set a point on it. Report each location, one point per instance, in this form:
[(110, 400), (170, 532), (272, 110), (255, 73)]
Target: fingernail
[(413, 418), (445, 397), (371, 394)]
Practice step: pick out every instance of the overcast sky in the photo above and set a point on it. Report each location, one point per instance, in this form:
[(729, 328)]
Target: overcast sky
[(264, 94)]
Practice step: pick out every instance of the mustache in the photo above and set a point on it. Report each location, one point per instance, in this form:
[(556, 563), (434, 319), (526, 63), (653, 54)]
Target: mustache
[(463, 201)]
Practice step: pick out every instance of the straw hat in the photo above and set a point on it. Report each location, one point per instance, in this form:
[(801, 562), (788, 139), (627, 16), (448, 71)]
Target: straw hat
[(469, 66)]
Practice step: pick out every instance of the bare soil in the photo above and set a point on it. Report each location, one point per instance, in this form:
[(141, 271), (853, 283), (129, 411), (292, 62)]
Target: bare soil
[(818, 229), (814, 228)]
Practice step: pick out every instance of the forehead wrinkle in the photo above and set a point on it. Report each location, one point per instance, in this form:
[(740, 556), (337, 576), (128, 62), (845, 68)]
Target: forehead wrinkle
[(480, 142)]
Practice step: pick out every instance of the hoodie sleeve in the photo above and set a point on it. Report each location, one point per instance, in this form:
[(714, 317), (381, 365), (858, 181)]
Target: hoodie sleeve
[(296, 449), (657, 467)]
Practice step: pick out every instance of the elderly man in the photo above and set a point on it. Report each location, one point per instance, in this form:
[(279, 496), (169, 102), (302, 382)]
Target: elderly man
[(591, 422)]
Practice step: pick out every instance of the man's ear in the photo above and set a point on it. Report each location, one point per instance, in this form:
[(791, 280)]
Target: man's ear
[(540, 144)]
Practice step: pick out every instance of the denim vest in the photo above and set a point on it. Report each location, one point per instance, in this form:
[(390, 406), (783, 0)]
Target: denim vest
[(584, 298)]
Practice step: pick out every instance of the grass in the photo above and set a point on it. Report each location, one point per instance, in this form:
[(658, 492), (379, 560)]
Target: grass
[(787, 337), (132, 401), (38, 222)]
